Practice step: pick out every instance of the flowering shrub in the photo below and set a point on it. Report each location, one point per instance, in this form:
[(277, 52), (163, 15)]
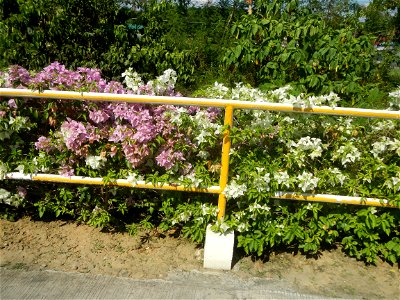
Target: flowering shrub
[(314, 154), (181, 145), (100, 136)]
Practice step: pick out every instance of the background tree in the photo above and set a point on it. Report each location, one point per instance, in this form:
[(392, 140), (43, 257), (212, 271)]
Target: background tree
[(283, 42), (334, 12), (35, 33), (382, 18)]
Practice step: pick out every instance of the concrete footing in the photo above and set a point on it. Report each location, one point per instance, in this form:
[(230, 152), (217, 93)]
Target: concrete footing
[(218, 249)]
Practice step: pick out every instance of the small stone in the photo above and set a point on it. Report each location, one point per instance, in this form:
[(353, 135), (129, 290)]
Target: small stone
[(199, 254), (123, 273)]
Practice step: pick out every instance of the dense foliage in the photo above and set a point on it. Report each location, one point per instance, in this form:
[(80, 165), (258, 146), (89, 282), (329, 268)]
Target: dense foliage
[(150, 36), (321, 43)]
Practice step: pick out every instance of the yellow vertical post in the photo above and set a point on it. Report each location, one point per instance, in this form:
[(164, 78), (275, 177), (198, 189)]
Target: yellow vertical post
[(226, 147)]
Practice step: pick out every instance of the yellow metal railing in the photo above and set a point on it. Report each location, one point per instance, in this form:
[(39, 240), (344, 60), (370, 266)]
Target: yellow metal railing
[(229, 106)]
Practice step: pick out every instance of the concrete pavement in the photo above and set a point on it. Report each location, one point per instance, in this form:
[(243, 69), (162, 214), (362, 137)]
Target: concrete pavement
[(27, 284)]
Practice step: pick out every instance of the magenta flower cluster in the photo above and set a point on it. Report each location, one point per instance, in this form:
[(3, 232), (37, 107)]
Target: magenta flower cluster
[(136, 132), (57, 77)]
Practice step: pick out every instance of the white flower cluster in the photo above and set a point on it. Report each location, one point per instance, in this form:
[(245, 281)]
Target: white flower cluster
[(242, 227), (95, 162), (10, 199), (394, 104), (345, 125), (132, 80), (385, 144), (40, 163), (201, 124), (133, 178), (384, 125), (208, 209), (261, 119), (222, 226), (16, 124), (340, 177), (310, 206), (394, 182), (3, 170), (282, 178), (4, 79), (262, 182), (241, 218), (347, 153), (234, 190), (165, 81), (203, 154), (304, 148), (5, 196), (218, 91), (176, 116), (195, 181), (307, 181), (331, 99), (281, 95), (246, 93), (182, 217), (205, 128), (256, 207)]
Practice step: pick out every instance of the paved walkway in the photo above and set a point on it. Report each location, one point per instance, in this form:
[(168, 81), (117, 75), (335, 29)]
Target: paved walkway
[(23, 284)]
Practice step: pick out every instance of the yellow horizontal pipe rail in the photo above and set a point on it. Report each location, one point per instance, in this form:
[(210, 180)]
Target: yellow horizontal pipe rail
[(333, 199), (211, 190), (116, 182), (236, 104)]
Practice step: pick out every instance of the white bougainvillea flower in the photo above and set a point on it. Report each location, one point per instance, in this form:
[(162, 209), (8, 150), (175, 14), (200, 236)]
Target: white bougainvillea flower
[(234, 190), (133, 178), (307, 181), (3, 170), (282, 178), (95, 162), (347, 153)]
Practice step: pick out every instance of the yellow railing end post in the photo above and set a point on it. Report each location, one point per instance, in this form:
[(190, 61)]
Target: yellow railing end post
[(226, 148)]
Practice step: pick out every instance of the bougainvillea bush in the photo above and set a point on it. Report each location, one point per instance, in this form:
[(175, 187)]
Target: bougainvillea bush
[(181, 145)]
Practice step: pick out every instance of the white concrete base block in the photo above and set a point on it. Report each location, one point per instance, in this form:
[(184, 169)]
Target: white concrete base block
[(218, 249)]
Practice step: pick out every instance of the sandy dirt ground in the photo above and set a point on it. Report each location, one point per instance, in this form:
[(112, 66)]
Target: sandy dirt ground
[(70, 247)]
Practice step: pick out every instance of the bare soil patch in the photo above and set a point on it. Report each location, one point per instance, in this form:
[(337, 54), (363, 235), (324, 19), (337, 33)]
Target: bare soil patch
[(67, 246)]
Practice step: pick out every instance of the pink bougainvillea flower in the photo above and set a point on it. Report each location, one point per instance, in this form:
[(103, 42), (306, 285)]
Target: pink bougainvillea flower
[(44, 143), (98, 116), (167, 158), (12, 103), (66, 171), (21, 191)]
